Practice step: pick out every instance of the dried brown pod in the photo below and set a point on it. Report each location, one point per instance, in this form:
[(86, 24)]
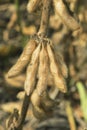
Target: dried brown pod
[(32, 5), (50, 81), (23, 60), (20, 95), (53, 92), (43, 71), (60, 61), (65, 15), (32, 71), (9, 107), (47, 103), (17, 81), (36, 102), (58, 78)]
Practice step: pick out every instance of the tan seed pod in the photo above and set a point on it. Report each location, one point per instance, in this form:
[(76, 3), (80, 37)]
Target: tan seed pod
[(58, 79), (53, 92), (23, 60), (43, 71), (60, 62), (36, 102), (20, 95), (32, 71), (17, 81), (50, 81), (47, 102), (32, 5), (38, 112), (65, 15)]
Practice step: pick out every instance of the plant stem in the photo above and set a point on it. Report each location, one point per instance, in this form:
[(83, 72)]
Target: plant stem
[(23, 112), (15, 122), (18, 15), (45, 17)]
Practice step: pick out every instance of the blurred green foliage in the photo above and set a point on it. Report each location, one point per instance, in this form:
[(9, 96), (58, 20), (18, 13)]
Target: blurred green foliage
[(83, 98)]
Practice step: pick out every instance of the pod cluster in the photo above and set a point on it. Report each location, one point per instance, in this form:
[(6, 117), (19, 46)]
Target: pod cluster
[(45, 73)]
